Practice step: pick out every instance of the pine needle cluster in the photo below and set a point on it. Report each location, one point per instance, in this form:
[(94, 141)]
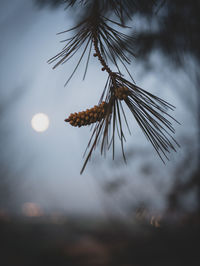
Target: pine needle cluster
[(112, 46)]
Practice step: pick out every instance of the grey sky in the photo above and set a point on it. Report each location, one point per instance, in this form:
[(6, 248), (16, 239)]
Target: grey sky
[(54, 158)]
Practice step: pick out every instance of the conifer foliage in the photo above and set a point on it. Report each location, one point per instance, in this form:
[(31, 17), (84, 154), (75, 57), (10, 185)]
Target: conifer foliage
[(96, 33)]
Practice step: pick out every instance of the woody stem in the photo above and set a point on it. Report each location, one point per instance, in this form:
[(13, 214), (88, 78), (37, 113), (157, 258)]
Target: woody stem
[(98, 54)]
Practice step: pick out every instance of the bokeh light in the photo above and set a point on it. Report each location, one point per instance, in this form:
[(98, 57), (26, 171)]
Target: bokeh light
[(40, 122)]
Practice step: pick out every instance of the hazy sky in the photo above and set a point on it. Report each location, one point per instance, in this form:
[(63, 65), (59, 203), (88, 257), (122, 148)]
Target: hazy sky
[(53, 159)]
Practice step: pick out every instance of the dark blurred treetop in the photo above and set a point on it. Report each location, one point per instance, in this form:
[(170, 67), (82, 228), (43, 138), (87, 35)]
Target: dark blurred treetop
[(176, 28)]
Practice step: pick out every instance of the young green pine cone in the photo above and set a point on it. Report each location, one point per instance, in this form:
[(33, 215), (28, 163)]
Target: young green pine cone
[(89, 116), (121, 93)]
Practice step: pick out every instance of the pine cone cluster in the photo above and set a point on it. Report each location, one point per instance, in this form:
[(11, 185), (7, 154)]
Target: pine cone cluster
[(121, 93), (88, 117)]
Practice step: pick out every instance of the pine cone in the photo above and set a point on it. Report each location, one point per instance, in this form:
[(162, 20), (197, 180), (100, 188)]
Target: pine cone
[(121, 93), (89, 116)]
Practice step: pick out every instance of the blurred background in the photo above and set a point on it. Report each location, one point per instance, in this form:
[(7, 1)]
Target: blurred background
[(49, 213)]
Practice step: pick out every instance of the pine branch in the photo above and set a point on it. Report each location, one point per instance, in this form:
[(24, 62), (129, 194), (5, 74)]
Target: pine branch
[(108, 117)]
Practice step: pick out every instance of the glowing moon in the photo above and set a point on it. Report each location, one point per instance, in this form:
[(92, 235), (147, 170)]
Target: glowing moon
[(40, 122)]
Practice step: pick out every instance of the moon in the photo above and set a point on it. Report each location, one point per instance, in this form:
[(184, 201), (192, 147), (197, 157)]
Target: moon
[(40, 122)]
